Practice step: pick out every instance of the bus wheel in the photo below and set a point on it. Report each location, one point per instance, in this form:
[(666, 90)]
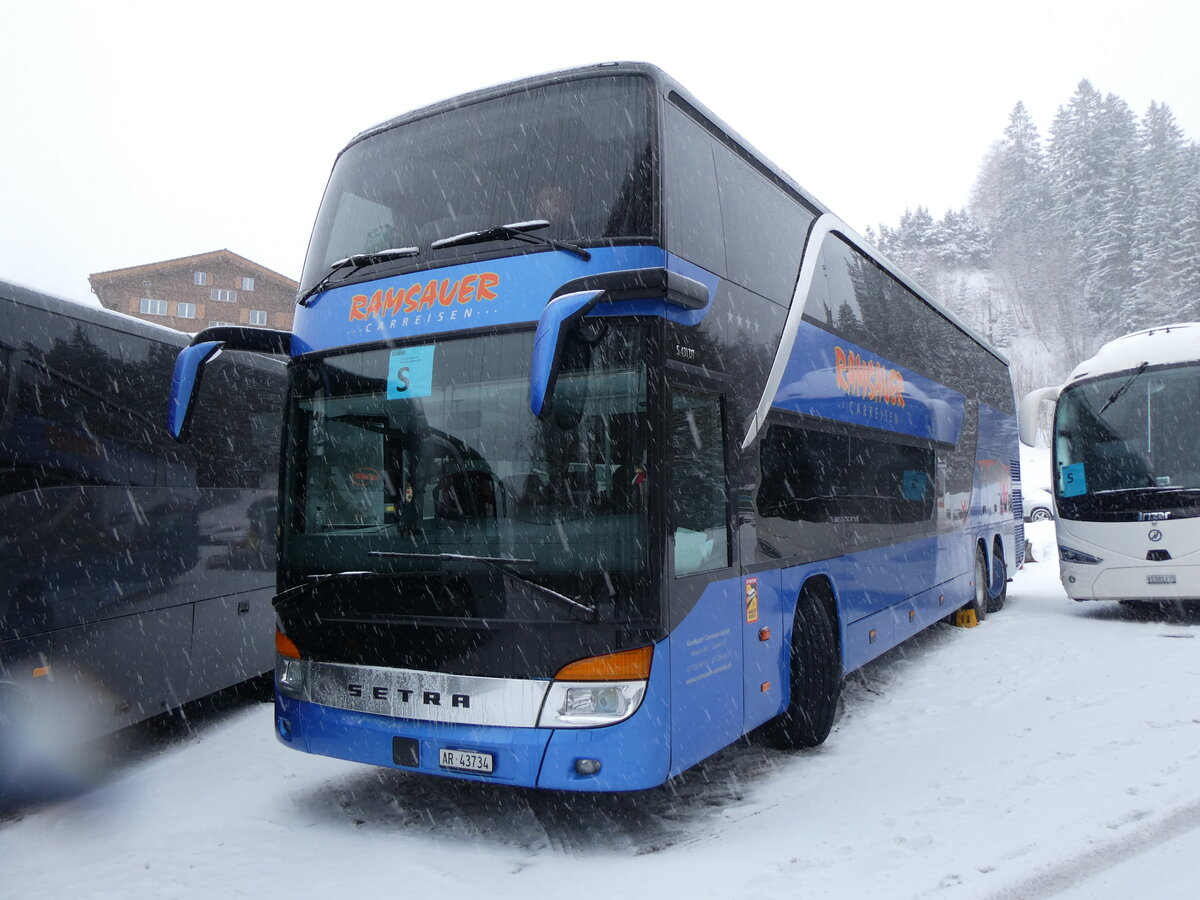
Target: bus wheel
[(999, 570), (816, 679), (979, 602)]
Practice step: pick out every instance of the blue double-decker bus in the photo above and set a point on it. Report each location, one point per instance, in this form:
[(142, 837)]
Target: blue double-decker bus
[(607, 444)]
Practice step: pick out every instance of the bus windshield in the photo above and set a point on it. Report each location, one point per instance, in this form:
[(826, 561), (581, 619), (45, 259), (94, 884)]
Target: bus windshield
[(424, 461), (577, 154), (1126, 444)]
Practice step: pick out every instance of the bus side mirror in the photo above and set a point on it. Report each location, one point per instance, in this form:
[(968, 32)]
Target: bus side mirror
[(555, 323), (575, 299), (184, 383), (205, 347), (1030, 410)]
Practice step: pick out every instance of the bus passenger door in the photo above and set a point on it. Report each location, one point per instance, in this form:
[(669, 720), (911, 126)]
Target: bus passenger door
[(705, 596)]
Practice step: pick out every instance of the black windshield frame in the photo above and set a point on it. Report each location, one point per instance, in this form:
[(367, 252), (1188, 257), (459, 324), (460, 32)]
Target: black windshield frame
[(582, 153), (517, 519)]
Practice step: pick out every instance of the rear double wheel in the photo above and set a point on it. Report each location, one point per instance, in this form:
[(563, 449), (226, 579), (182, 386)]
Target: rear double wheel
[(816, 677), (995, 602), (979, 601)]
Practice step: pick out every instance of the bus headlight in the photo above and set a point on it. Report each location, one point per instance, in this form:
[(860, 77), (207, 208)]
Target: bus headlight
[(584, 705), (598, 690), (289, 677), (1066, 554)]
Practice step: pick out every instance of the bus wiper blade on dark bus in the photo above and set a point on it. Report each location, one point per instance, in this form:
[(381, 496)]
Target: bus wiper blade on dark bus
[(320, 578), (1123, 388), (514, 231), (498, 563), (354, 263)]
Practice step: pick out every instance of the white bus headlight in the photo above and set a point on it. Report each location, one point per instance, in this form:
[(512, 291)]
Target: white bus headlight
[(587, 705), (289, 676), (1066, 554), (597, 690)]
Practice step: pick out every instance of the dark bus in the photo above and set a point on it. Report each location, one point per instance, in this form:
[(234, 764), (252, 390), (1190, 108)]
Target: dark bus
[(607, 444), (136, 573)]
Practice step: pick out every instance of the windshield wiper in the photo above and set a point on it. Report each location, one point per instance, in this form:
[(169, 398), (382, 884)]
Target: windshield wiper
[(320, 578), (514, 231), (450, 557), (1123, 388), (498, 563), (354, 263)]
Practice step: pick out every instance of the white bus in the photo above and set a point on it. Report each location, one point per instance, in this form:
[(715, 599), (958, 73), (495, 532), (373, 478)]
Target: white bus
[(1126, 464)]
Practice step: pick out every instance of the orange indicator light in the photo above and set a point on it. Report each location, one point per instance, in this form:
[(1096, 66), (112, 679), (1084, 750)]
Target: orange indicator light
[(625, 665), (285, 646)]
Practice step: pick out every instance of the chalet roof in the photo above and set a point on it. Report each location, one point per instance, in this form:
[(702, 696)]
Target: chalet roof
[(192, 262)]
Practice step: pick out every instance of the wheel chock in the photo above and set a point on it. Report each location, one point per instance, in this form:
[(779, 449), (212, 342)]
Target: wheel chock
[(966, 618)]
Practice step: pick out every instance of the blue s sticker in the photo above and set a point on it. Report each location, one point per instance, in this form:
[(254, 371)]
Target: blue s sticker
[(915, 482), (410, 373), (1072, 481)]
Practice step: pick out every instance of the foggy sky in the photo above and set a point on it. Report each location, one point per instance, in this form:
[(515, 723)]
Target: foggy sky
[(132, 132)]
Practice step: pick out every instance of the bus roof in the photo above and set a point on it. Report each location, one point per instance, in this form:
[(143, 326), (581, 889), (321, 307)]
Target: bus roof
[(674, 92), (1164, 345), (665, 84), (97, 315)]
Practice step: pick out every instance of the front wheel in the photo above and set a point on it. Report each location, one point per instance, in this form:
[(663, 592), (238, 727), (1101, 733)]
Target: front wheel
[(1041, 514), (816, 679)]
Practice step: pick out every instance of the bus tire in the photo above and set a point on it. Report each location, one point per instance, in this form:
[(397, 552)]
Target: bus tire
[(979, 600), (1000, 570), (816, 678)]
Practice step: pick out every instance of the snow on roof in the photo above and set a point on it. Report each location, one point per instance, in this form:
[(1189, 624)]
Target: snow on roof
[(1164, 345)]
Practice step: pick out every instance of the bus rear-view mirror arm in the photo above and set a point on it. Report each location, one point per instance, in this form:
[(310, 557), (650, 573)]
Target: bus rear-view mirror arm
[(205, 347), (1030, 410), (575, 299)]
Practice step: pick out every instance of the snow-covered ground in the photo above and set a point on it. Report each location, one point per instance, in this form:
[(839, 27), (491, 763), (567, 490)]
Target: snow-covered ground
[(1052, 751)]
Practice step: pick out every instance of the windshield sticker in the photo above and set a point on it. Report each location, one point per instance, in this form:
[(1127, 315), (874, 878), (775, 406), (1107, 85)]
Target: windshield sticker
[(1072, 481), (915, 483), (410, 373)]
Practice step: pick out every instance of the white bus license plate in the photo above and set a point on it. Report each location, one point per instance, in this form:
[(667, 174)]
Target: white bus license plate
[(465, 760), (1160, 579)]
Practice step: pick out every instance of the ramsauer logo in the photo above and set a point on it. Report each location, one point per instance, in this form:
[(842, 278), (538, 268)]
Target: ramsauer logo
[(424, 296)]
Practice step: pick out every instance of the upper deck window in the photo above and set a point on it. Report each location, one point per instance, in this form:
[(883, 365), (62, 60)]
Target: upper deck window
[(579, 154)]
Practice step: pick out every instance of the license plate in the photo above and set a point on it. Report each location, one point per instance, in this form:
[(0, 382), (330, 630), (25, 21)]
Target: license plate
[(1160, 579), (466, 760)]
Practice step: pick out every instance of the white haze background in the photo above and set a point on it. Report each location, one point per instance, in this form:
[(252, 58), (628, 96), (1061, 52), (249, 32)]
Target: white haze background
[(132, 132)]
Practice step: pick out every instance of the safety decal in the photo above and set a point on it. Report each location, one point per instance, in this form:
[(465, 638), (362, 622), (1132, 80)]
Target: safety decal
[(751, 600)]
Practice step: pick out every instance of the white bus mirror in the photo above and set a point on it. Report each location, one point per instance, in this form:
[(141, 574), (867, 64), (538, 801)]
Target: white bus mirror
[(1030, 410)]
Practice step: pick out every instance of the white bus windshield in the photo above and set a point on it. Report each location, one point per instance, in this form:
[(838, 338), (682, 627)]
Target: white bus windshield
[(1127, 443)]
